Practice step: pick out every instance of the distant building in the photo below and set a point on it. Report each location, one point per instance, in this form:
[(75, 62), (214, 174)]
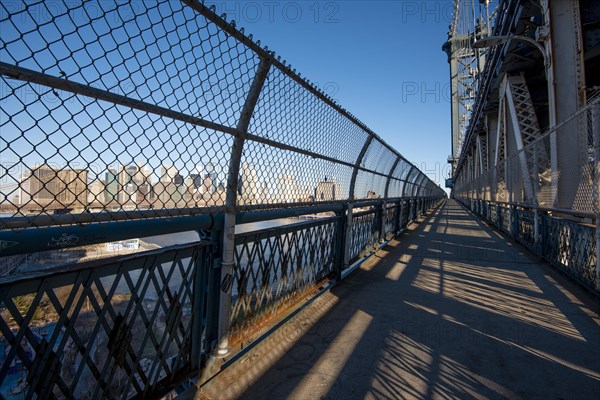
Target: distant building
[(195, 181), (220, 195), (328, 190), (178, 179), (168, 173), (111, 186), (134, 183), (48, 185), (210, 174), (96, 191), (248, 184), (207, 186), (24, 193)]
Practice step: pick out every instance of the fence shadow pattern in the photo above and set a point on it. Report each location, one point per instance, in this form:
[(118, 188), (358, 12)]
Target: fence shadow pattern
[(568, 245)]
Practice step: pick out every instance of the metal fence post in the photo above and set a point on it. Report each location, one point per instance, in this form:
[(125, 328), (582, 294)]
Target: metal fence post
[(498, 217), (512, 215), (382, 219), (214, 280), (213, 304), (414, 209), (536, 229), (227, 261), (199, 343), (351, 197), (417, 208), (596, 190), (340, 244), (348, 235), (400, 217)]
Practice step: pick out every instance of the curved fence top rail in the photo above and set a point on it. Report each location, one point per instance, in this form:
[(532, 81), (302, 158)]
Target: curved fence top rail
[(157, 109)]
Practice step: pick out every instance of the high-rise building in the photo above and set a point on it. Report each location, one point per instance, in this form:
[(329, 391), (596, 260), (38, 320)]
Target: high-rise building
[(195, 181), (248, 184), (288, 189), (210, 174), (68, 187), (96, 191), (168, 173), (207, 187), (111, 188), (328, 190), (24, 193), (178, 179)]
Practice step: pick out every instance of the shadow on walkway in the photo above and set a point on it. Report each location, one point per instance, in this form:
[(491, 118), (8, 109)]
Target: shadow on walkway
[(449, 310)]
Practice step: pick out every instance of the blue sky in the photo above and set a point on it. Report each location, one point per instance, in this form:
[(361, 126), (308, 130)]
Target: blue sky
[(381, 60)]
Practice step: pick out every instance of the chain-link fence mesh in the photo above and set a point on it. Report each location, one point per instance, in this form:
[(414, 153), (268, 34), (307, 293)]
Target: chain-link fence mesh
[(119, 107), (529, 178)]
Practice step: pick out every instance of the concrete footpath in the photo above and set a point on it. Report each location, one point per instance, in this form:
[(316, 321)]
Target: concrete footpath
[(448, 310)]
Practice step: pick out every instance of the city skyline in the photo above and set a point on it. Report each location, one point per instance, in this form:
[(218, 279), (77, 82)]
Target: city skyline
[(45, 186)]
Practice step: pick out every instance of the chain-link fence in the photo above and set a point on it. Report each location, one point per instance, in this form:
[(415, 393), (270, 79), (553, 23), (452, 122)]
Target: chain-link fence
[(530, 178), (128, 110), (122, 120), (545, 194)]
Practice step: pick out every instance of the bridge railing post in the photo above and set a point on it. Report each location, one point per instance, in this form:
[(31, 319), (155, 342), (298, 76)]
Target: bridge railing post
[(200, 273), (597, 244), (381, 216), (498, 217), (228, 241), (595, 119), (398, 222), (512, 227), (348, 235), (208, 341), (415, 209), (340, 244), (537, 239)]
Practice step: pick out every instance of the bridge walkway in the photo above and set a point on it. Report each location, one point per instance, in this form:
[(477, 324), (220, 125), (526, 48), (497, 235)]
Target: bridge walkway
[(448, 310)]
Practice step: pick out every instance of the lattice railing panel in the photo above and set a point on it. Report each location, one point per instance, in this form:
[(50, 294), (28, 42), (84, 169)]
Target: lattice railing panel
[(119, 328), (364, 233), (571, 247), (275, 265)]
